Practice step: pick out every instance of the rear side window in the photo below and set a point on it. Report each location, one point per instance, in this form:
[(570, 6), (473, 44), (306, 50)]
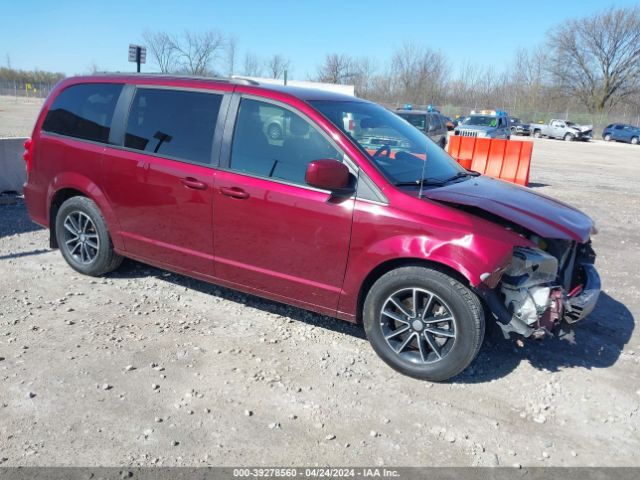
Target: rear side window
[(173, 123), (84, 111)]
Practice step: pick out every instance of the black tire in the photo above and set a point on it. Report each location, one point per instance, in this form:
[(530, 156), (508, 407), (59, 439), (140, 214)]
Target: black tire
[(568, 137), (447, 295), (97, 261), (634, 140), (537, 134), (443, 143)]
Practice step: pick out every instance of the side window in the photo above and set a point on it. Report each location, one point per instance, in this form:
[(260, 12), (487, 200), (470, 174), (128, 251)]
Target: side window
[(84, 111), (619, 127), (271, 141), (173, 123)]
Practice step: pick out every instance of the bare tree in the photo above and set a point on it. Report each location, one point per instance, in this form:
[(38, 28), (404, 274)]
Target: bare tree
[(276, 66), (597, 58), (336, 69), (252, 65), (421, 73), (162, 50), (197, 52)]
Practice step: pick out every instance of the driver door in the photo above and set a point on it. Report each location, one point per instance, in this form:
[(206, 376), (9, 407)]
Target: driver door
[(274, 234)]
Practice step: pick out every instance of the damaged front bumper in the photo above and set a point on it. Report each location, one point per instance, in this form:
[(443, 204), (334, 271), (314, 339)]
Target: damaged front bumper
[(531, 301), (577, 307)]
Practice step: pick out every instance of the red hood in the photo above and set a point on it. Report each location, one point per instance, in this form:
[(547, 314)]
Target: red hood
[(538, 213)]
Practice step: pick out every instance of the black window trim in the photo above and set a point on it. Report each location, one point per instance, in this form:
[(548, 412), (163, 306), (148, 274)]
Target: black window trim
[(229, 130), (217, 134)]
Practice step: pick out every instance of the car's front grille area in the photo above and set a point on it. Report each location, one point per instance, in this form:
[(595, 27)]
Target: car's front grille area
[(468, 133)]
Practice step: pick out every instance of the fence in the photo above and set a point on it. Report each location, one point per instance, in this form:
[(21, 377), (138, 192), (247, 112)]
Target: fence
[(28, 90)]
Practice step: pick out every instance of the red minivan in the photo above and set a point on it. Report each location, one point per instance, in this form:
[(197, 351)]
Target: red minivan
[(350, 211)]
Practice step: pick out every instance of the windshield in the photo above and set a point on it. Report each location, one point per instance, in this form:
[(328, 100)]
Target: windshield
[(481, 120), (396, 147)]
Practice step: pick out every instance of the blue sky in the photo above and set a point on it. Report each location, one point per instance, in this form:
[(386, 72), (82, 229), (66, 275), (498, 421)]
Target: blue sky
[(71, 35)]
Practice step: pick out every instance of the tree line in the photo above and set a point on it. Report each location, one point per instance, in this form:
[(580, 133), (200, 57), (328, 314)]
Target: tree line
[(589, 64), (20, 78)]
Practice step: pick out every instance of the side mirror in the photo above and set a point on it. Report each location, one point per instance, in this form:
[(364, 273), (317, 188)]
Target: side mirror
[(329, 174)]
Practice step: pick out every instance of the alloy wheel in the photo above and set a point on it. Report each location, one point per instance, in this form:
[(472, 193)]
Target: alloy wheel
[(418, 325), (81, 237)]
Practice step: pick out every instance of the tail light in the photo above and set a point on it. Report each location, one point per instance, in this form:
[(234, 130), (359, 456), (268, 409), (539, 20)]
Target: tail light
[(27, 155)]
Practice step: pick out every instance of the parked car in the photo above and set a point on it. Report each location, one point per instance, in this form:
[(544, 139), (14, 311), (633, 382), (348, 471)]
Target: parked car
[(431, 123), (354, 213), (564, 130), (519, 128), (485, 124), (621, 132)]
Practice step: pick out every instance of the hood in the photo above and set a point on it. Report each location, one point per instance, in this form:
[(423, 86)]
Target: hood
[(582, 128), (538, 213)]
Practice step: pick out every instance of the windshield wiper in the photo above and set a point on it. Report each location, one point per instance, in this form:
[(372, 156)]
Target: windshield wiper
[(436, 181), (423, 181), (464, 174)]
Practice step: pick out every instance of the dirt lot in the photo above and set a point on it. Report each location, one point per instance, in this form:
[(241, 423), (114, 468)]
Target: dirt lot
[(17, 115), (145, 367)]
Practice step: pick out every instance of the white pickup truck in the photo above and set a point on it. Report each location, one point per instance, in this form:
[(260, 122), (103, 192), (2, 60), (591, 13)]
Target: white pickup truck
[(563, 129)]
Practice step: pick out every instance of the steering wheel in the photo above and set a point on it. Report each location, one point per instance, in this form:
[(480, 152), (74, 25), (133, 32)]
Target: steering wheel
[(383, 148)]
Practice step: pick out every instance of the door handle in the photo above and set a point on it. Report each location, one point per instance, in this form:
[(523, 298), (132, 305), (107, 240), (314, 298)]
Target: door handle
[(193, 183), (234, 192)]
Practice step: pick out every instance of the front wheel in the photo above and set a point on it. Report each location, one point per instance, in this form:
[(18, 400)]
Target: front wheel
[(83, 238), (607, 137), (568, 137), (423, 323)]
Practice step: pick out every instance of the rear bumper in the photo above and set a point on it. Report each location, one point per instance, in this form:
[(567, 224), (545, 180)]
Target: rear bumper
[(36, 205), (579, 307)]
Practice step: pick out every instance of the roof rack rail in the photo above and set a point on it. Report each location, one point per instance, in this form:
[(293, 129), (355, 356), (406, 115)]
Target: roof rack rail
[(243, 80), (233, 79)]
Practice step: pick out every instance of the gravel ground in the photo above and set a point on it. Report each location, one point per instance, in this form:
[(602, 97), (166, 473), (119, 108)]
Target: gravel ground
[(17, 115), (146, 367)]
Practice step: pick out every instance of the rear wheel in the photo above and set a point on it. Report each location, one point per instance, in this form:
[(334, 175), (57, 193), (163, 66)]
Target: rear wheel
[(635, 141), (568, 137), (423, 323), (84, 239), (537, 134)]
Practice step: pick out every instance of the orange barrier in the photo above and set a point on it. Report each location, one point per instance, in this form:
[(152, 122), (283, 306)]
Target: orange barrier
[(508, 160)]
